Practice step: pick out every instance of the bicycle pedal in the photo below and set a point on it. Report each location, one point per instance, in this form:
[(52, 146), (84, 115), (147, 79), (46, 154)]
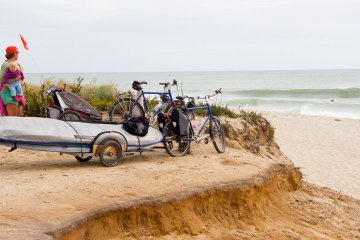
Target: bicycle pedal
[(206, 141)]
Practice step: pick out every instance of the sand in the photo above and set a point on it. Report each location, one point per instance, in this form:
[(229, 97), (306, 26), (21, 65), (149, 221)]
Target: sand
[(327, 149), (205, 195)]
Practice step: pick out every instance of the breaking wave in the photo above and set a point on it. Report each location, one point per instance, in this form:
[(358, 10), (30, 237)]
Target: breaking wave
[(300, 93)]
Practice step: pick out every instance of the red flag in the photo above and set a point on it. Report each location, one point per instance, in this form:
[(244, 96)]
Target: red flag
[(23, 42)]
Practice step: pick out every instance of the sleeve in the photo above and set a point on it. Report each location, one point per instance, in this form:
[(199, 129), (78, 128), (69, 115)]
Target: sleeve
[(4, 66), (5, 78), (22, 75)]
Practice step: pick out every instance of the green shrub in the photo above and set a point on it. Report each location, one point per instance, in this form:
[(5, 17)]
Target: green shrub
[(103, 96), (218, 110), (76, 87), (100, 97), (36, 100), (223, 111)]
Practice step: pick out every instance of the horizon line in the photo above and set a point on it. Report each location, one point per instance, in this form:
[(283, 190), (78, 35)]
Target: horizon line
[(187, 71)]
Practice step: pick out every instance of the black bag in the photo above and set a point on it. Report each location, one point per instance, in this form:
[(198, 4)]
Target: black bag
[(138, 126), (161, 118), (180, 122)]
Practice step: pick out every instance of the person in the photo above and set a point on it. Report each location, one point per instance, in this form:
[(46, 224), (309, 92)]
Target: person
[(9, 80), (12, 107), (2, 107)]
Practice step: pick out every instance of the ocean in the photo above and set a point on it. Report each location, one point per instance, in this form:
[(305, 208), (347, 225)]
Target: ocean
[(334, 93)]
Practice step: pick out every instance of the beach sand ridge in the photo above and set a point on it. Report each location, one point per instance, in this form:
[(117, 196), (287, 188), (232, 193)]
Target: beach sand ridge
[(47, 195)]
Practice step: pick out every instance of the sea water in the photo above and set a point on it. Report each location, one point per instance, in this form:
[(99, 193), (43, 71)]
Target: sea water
[(334, 93)]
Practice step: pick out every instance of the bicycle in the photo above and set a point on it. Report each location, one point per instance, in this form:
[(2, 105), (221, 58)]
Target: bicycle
[(127, 106), (216, 132)]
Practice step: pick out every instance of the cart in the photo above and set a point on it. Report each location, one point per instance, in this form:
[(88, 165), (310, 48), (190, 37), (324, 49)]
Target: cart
[(84, 140)]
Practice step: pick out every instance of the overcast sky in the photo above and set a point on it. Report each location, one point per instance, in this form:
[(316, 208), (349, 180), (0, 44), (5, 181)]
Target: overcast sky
[(197, 35)]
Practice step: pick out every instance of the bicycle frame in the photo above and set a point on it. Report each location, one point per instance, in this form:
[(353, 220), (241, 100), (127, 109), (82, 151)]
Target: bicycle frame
[(196, 136), (202, 127), (145, 106), (177, 141), (142, 95)]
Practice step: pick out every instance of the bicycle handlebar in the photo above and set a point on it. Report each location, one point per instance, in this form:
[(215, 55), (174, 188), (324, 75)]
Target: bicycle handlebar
[(210, 96), (205, 97), (167, 84)]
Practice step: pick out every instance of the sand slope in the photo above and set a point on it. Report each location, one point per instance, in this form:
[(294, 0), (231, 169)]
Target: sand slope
[(46, 195)]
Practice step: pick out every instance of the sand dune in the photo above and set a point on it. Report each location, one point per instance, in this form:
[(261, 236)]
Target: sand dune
[(246, 193)]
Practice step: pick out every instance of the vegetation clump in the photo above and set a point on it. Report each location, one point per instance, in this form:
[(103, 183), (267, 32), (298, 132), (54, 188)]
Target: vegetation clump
[(254, 133), (251, 117), (99, 96), (103, 96), (218, 110)]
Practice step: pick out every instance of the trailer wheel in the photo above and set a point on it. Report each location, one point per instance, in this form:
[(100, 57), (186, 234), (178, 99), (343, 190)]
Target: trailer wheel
[(80, 159), (70, 115), (110, 153)]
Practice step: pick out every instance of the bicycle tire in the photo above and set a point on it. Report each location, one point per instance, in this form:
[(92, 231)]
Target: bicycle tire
[(120, 110), (217, 135), (170, 139)]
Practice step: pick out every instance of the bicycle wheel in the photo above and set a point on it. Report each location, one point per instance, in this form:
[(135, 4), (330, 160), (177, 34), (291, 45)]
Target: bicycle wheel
[(217, 135), (121, 108), (70, 116), (175, 145)]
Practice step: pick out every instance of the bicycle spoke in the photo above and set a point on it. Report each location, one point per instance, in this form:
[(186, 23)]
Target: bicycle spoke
[(125, 108), (175, 145)]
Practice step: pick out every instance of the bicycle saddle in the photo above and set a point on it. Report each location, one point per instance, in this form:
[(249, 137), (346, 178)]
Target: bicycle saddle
[(165, 84), (181, 97), (136, 85)]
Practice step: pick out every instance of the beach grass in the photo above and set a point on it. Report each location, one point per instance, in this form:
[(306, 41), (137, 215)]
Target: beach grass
[(100, 97), (218, 110), (36, 100)]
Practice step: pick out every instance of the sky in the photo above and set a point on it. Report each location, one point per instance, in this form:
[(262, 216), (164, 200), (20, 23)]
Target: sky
[(66, 36)]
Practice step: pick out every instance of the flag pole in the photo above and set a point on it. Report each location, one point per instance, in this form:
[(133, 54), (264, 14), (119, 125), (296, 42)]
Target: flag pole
[(33, 59)]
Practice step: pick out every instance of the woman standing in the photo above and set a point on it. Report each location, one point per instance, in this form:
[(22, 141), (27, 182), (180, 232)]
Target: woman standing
[(12, 107)]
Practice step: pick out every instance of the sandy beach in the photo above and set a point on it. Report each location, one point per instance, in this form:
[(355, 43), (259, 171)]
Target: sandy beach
[(252, 64), (327, 149), (242, 194)]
